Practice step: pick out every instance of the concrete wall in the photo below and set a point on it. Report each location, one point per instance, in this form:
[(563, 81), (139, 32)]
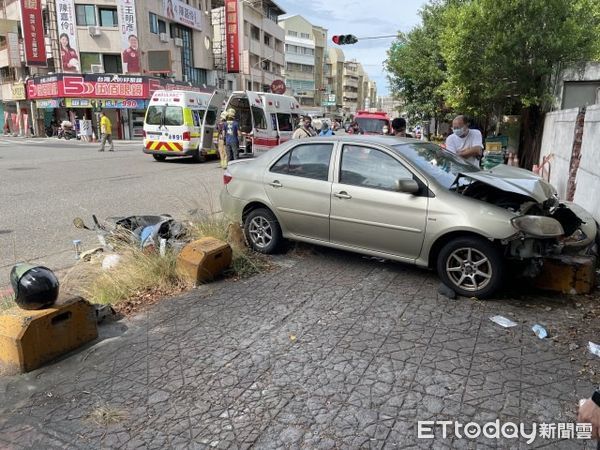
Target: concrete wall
[(588, 176), (559, 130)]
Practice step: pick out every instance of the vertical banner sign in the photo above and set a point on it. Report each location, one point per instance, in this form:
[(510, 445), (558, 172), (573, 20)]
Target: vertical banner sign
[(33, 33), (67, 36), (232, 36), (14, 53), (129, 39)]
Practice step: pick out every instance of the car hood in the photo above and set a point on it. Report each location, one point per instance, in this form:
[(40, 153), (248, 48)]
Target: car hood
[(513, 179)]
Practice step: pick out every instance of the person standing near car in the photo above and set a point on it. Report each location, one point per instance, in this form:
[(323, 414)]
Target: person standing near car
[(325, 130), (232, 136), (465, 142), (106, 132), (306, 130), (399, 127)]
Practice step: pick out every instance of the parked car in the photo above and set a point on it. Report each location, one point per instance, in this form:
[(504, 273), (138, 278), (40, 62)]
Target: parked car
[(408, 201)]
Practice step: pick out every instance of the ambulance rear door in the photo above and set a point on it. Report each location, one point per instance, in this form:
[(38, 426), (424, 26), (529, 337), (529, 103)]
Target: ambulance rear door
[(209, 121)]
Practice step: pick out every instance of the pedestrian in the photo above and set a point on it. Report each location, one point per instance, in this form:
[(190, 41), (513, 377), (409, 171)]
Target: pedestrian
[(355, 129), (106, 132), (399, 127), (589, 412), (306, 130), (325, 130), (232, 136), (221, 140), (465, 142)]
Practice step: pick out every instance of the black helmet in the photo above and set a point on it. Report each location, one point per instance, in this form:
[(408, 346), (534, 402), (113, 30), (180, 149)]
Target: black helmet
[(35, 287)]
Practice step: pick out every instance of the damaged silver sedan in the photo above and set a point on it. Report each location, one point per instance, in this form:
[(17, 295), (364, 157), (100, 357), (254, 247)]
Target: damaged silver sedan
[(408, 201)]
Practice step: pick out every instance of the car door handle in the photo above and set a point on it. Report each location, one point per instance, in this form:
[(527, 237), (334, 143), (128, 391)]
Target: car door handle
[(342, 194), (275, 184)]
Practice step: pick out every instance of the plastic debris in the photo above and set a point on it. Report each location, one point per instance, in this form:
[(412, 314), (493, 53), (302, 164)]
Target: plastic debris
[(503, 321), (111, 261), (539, 331), (594, 349)]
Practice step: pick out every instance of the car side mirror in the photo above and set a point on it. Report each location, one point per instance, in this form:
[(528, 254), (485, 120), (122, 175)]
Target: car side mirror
[(407, 185)]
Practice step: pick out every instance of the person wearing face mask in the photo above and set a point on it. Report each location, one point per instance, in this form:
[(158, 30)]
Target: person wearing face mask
[(466, 143)]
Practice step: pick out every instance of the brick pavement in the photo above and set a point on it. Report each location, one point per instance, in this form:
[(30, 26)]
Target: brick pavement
[(329, 351)]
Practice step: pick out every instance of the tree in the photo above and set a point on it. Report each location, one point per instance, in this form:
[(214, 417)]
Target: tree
[(416, 68), (499, 53)]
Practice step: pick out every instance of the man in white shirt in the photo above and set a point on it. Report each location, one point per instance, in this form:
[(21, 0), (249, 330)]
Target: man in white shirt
[(465, 142)]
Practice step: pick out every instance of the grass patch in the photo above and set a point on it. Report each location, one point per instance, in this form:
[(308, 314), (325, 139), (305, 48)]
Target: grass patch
[(144, 277), (137, 274), (105, 415)]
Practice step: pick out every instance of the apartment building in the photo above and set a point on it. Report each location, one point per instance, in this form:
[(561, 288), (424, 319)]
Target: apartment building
[(248, 44), (334, 69), (88, 55)]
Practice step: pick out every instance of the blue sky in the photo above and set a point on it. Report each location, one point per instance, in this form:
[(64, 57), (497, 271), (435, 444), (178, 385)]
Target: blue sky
[(361, 18)]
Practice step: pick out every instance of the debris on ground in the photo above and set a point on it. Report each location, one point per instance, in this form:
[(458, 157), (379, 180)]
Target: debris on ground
[(446, 291), (104, 312), (594, 348), (503, 321), (540, 331)]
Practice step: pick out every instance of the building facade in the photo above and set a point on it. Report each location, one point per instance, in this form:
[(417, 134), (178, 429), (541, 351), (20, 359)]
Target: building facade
[(259, 44), (335, 67), (101, 54)]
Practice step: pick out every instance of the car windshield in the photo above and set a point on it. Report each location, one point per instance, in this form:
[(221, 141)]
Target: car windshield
[(371, 125), (436, 162)]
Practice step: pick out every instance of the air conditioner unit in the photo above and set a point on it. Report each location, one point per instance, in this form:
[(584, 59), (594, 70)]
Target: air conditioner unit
[(178, 42), (163, 37), (97, 68), (94, 31)]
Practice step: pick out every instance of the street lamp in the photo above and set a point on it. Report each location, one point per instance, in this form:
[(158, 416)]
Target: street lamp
[(268, 58)]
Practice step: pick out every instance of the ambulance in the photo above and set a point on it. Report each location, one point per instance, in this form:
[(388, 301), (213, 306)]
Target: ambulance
[(182, 123), (266, 120)]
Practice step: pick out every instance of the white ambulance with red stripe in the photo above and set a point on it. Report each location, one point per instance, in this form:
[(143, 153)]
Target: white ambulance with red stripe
[(266, 120), (182, 123)]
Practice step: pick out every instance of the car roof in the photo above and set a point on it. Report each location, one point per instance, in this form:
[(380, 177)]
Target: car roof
[(365, 139)]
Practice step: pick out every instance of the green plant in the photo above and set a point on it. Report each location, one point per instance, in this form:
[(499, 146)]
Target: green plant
[(6, 301)]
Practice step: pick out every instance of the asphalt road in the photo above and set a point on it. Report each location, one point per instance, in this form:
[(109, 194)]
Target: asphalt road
[(45, 183)]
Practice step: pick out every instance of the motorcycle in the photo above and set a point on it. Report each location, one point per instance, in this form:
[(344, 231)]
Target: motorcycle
[(66, 131)]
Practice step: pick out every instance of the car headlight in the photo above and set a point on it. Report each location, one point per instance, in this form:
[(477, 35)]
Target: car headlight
[(539, 226)]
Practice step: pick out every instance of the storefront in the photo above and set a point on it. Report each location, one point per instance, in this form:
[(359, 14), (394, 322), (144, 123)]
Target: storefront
[(123, 98), (15, 115)]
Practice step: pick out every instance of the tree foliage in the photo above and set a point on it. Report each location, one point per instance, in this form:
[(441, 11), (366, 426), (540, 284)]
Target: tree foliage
[(484, 56)]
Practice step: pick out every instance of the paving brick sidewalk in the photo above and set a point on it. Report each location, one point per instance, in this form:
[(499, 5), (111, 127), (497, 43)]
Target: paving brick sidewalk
[(330, 351)]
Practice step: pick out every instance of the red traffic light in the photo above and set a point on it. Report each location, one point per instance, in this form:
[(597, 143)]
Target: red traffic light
[(344, 39)]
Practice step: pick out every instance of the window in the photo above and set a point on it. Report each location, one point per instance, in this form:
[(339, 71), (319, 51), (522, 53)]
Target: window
[(371, 168), (162, 26), (229, 85), (255, 33), (197, 116), (108, 17), (260, 121), (305, 35), (306, 160), (284, 122), (85, 15), (267, 40), (292, 33), (173, 115), (153, 21), (112, 63), (87, 59), (211, 117)]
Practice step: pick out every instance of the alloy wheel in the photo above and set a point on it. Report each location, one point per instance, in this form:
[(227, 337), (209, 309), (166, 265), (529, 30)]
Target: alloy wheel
[(261, 232), (469, 269)]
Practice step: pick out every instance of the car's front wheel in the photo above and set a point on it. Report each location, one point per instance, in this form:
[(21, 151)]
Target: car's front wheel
[(159, 157), (471, 266), (263, 231)]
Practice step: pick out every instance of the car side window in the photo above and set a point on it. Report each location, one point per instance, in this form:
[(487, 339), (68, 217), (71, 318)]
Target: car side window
[(371, 168), (307, 161)]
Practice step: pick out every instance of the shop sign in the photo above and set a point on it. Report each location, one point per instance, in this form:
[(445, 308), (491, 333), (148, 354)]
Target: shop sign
[(33, 33), (89, 86), (18, 91), (14, 52), (108, 103), (47, 104), (181, 12), (232, 36), (67, 36)]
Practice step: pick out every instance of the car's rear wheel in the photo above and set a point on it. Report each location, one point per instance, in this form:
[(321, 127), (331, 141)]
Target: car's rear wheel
[(263, 231), (159, 157), (471, 266)]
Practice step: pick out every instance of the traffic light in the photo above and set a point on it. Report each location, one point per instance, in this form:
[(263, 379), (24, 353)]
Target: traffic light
[(344, 39)]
